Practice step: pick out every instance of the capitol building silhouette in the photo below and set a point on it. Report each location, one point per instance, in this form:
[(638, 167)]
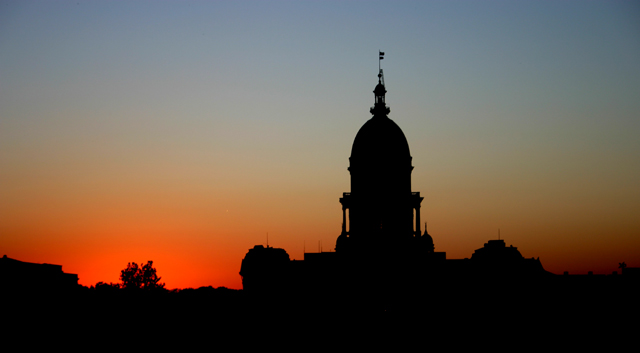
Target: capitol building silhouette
[(381, 243)]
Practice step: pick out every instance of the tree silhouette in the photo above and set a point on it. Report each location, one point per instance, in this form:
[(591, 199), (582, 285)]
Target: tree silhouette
[(145, 277), (102, 286)]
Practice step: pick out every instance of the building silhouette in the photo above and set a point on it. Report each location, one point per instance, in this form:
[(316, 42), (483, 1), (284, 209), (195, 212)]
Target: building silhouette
[(384, 214), (381, 242), (18, 275)]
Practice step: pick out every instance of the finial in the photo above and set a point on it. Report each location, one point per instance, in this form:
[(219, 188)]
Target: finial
[(380, 108), (380, 74)]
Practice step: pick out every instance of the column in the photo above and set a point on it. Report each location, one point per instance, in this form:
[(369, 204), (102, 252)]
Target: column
[(344, 220), (418, 231)]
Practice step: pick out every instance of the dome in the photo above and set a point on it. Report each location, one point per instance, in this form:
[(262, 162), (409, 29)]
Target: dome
[(380, 139), (379, 90), (427, 241), (496, 251)]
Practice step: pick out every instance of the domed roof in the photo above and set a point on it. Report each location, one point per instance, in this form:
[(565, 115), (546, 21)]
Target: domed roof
[(379, 90), (380, 138)]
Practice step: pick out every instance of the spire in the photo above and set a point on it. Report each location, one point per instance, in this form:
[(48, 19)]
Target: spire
[(380, 108), (380, 74)]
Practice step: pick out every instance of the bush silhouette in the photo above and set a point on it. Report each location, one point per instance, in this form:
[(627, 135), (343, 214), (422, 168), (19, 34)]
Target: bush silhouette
[(145, 277)]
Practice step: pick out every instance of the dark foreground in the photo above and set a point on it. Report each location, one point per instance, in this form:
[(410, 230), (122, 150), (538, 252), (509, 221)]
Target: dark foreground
[(463, 315)]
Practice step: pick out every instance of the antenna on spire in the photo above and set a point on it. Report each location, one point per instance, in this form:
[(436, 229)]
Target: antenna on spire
[(380, 75), (380, 108), (267, 240)]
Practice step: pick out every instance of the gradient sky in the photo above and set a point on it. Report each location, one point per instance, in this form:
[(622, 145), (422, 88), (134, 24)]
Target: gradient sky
[(184, 132)]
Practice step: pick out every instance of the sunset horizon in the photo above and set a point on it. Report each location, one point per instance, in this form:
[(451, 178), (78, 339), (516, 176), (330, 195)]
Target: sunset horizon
[(186, 133)]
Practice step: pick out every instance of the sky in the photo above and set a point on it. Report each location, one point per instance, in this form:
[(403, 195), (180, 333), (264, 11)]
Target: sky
[(186, 132)]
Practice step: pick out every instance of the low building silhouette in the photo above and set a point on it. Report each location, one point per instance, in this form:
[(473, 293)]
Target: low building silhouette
[(265, 268), (25, 276)]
